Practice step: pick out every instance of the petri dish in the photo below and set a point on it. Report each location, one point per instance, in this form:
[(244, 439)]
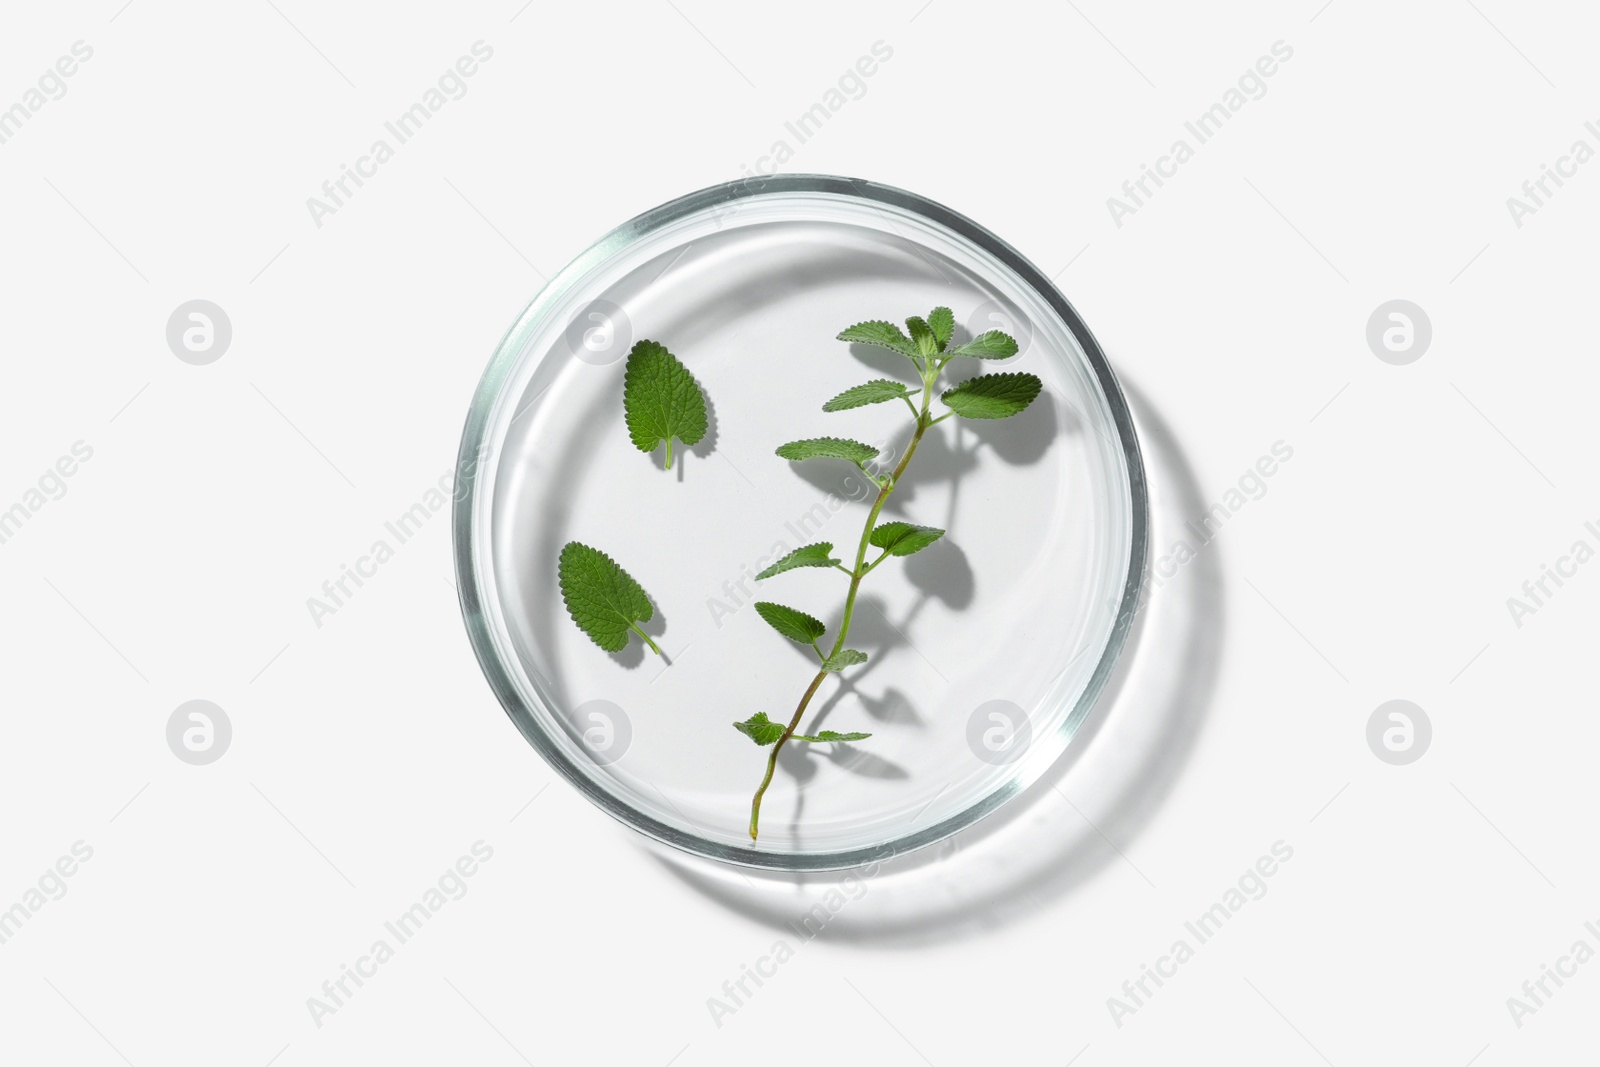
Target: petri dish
[(986, 650)]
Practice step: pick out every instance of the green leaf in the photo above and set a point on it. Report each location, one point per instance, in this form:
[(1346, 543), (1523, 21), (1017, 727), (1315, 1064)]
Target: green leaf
[(817, 555), (763, 731), (760, 729), (922, 336), (904, 538), (992, 396), (876, 391), (942, 322), (795, 625), (883, 334), (847, 657), (661, 400), (602, 598), (830, 735), (828, 448), (991, 345)]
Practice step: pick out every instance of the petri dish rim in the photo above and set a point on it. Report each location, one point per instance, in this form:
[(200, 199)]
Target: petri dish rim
[(473, 559)]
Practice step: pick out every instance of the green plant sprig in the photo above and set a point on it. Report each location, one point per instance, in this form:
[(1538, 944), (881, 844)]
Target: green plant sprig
[(988, 396)]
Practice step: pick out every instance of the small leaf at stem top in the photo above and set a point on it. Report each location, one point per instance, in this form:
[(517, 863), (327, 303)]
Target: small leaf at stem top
[(942, 321)]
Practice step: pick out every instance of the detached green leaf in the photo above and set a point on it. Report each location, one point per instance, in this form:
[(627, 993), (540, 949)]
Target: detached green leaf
[(760, 729), (991, 345), (942, 321), (602, 598), (876, 391), (883, 334), (993, 396), (845, 657), (818, 555), (828, 448), (904, 538), (922, 336), (795, 625), (830, 735), (661, 400)]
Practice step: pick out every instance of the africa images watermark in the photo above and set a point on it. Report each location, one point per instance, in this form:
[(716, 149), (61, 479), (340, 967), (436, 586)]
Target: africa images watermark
[(1202, 128), (852, 887), (1252, 485), (336, 192), (339, 590), (51, 885), (1538, 191), (737, 593), (1251, 885), (451, 885), (1537, 592), (51, 485), (51, 85), (851, 85), (1536, 992)]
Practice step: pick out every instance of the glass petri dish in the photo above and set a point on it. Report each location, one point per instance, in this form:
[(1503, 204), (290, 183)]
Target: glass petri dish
[(987, 650)]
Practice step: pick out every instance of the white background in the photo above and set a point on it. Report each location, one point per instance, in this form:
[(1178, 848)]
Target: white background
[(368, 754)]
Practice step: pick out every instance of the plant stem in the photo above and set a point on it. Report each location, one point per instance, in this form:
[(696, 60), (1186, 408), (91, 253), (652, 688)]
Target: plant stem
[(860, 572), (635, 628), (873, 565)]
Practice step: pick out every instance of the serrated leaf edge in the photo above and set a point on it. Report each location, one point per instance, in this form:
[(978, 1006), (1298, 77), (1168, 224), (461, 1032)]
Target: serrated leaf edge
[(776, 568)]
